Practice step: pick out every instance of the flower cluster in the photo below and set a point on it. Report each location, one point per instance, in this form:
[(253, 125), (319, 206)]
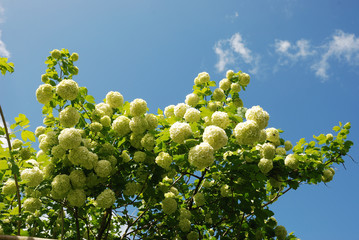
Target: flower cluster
[(77, 178), (280, 232), (215, 136), (103, 168), (265, 165), (132, 188), (199, 199), (328, 175), (17, 143), (76, 197), (104, 109), (180, 110), (291, 161), (184, 224), (268, 150), (258, 115), (138, 124), (169, 110), (192, 115), (44, 93), (164, 160), (169, 205), (69, 117), (152, 121), (273, 136), (220, 119), (32, 176), (60, 186), (70, 138), (9, 187), (179, 132), (201, 156), (247, 132), (192, 99), (114, 99), (225, 191), (106, 199), (225, 84), (121, 125), (138, 107), (202, 78), (32, 204), (67, 89), (148, 142)]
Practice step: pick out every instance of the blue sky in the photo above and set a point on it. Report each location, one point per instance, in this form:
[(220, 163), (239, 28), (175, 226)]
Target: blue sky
[(303, 57)]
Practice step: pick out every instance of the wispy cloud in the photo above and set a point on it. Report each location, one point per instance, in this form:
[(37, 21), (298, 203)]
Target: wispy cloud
[(233, 49), (3, 51), (2, 14), (342, 47), (289, 52)]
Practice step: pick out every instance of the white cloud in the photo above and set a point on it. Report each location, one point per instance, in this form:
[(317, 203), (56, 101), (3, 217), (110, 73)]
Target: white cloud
[(232, 49), (343, 47), (3, 51), (288, 51)]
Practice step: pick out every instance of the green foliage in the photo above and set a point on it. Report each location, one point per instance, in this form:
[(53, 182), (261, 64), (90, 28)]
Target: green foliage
[(135, 166), (6, 66)]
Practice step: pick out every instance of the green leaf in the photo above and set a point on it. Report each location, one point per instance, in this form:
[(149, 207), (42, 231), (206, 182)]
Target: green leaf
[(28, 135), (90, 99), (22, 120), (336, 128), (3, 165)]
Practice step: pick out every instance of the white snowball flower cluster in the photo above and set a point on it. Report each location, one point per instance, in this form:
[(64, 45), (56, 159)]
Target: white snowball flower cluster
[(184, 224), (148, 142), (262, 136), (58, 152), (258, 115), (192, 115), (164, 160), (9, 187), (328, 175), (265, 165), (114, 99), (199, 199), (32, 176), (152, 121), (215, 136), (39, 131), (192, 99), (69, 117), (235, 87), (179, 132), (135, 140), (247, 132), (104, 109), (244, 79), (44, 93), (78, 179), (95, 127), (138, 125), (32, 204), (67, 89), (280, 232), (291, 161), (139, 156), (103, 168), (121, 126), (132, 188), (82, 156), (268, 151), (70, 138), (106, 199), (138, 107), (229, 74), (47, 140), (280, 151), (273, 136), (180, 110), (169, 111), (17, 143), (105, 121), (288, 145), (226, 191), (202, 78), (169, 205), (184, 213), (218, 94), (60, 186), (201, 156), (76, 197), (225, 84), (220, 119), (125, 157)]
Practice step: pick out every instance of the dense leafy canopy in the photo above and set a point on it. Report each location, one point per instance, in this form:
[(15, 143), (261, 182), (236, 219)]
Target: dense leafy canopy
[(204, 169)]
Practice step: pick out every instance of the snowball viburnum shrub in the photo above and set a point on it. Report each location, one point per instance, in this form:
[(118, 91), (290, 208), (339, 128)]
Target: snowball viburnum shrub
[(196, 168)]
